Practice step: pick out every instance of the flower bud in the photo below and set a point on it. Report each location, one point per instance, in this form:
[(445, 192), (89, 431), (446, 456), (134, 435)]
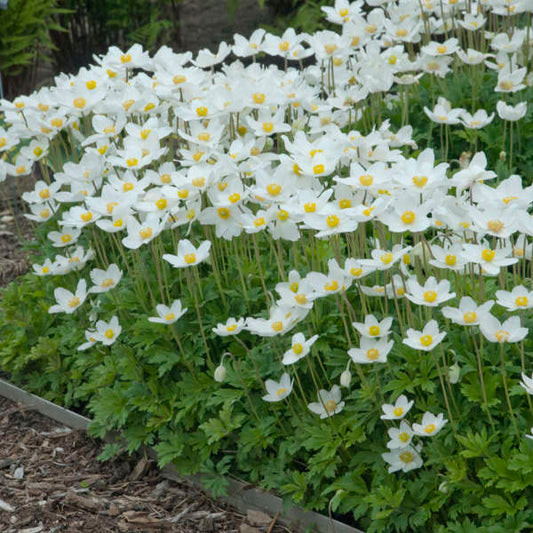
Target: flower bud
[(346, 378), (220, 373), (443, 487), (503, 155), (453, 373)]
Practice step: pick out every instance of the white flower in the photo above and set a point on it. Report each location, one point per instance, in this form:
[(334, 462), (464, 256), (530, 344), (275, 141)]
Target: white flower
[(426, 339), (107, 332), (508, 331), (372, 350), (400, 438), (299, 348), (519, 298), (230, 327), (188, 254), (432, 294), (168, 315), (372, 327), (278, 391), (105, 280), (511, 113), (329, 402), (430, 425), (397, 411), (404, 459), (68, 302)]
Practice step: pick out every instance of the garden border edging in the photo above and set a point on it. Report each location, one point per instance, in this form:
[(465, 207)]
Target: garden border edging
[(240, 495)]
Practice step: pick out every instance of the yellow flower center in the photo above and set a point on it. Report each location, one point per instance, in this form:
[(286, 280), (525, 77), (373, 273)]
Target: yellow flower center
[(372, 354), (198, 181), (506, 85), (501, 335), (297, 348), (132, 162), (268, 127), (231, 327), (420, 181), (386, 258), (318, 169), (161, 203), (294, 286), (301, 298), (406, 457), (223, 213), (310, 207), (44, 194), (332, 221), (283, 215), (426, 340), (170, 316), (281, 391), (284, 46), (79, 103), (197, 156), (56, 122), (118, 223), (408, 217), (66, 238), (495, 225), (330, 48), (274, 189), (398, 411), (401, 32), (202, 111), (430, 296), (277, 326), (125, 58), (509, 199), (37, 151), (108, 282), (333, 286), (345, 203), (87, 216), (450, 259), (73, 302), (205, 136), (470, 317), (403, 436), (373, 331), (258, 98), (45, 213), (91, 84), (521, 301), (487, 254), (330, 406), (258, 222), (442, 49), (190, 258), (127, 104), (109, 333), (355, 41), (366, 180), (145, 233), (356, 272), (430, 428)]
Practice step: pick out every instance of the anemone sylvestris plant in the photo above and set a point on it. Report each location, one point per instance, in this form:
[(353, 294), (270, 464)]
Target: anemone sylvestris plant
[(316, 277)]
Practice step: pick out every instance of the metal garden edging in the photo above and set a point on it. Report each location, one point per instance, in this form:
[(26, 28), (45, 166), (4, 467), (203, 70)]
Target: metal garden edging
[(240, 495)]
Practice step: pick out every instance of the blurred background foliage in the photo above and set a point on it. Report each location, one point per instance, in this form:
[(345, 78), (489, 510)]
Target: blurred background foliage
[(40, 38)]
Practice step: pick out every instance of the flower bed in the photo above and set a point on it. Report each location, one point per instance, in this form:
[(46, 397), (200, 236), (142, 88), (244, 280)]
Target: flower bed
[(309, 276)]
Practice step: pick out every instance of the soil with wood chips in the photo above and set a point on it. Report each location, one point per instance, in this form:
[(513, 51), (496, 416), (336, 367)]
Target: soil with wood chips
[(51, 481)]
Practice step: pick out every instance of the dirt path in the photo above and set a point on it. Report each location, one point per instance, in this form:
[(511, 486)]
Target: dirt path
[(51, 482)]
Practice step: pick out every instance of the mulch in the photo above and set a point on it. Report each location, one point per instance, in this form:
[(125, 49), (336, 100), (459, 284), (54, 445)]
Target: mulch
[(51, 481)]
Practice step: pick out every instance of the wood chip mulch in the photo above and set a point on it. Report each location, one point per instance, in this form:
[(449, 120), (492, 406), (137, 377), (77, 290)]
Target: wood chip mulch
[(51, 481)]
